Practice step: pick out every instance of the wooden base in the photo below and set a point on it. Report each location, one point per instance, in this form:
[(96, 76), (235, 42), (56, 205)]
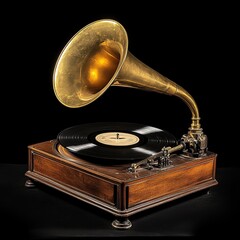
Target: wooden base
[(112, 187)]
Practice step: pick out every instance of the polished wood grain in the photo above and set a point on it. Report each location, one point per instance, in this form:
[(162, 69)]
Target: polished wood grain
[(168, 182), (74, 178)]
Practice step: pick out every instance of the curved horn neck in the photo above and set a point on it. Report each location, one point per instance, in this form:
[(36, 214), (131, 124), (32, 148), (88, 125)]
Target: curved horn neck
[(136, 74)]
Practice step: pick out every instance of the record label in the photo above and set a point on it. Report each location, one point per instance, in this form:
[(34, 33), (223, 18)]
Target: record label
[(117, 138), (115, 141)]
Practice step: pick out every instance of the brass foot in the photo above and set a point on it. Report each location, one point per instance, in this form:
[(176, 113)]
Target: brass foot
[(123, 223), (29, 184)]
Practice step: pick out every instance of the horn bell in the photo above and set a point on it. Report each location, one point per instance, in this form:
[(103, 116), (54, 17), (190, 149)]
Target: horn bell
[(97, 57), (89, 63)]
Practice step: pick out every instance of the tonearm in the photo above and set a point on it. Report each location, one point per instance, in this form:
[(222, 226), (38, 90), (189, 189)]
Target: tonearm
[(160, 160)]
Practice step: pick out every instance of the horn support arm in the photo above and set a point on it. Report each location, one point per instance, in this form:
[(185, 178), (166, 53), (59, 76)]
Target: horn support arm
[(136, 74)]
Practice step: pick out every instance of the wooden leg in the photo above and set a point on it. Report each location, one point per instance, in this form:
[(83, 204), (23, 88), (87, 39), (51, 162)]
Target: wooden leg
[(122, 223), (30, 184)]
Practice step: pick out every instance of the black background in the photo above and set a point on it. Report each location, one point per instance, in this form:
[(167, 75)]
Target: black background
[(193, 45)]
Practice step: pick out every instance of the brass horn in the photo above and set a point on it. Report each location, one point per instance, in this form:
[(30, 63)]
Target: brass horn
[(97, 57)]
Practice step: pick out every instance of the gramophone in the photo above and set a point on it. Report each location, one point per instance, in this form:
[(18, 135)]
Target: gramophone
[(121, 168)]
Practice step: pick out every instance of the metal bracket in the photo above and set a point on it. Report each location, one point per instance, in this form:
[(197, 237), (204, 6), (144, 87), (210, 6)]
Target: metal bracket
[(160, 160)]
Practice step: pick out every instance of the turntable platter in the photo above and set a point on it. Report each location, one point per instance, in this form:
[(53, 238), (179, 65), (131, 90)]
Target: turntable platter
[(121, 141)]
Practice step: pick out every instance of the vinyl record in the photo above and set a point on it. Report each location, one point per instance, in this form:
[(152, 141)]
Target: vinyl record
[(120, 141)]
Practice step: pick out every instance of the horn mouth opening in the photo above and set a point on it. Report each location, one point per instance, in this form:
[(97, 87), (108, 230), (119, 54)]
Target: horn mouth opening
[(90, 62)]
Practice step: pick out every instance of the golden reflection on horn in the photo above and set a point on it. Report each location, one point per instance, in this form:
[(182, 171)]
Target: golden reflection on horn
[(99, 68)]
